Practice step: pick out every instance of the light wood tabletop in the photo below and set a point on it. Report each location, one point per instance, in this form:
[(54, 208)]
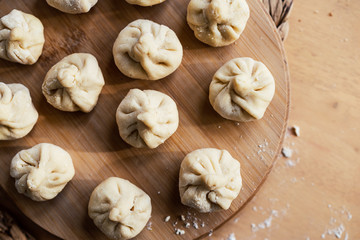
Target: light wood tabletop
[(315, 193)]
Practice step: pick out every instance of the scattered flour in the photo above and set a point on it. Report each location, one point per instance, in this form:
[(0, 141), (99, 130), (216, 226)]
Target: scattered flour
[(231, 237), (167, 219), (267, 222)]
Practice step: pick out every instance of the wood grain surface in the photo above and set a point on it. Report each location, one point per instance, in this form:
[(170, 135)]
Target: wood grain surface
[(93, 140)]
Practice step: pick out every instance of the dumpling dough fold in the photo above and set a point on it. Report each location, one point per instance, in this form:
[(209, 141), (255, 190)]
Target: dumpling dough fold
[(119, 208), (147, 50), (217, 22), (242, 89), (146, 118), (209, 179), (74, 83), (21, 37), (42, 171), (145, 3), (17, 112), (72, 6)]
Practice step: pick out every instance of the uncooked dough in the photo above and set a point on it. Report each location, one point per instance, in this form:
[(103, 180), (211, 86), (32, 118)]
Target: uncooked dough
[(74, 83), (145, 3), (242, 89), (42, 171), (146, 118), (72, 6), (17, 112), (21, 37), (119, 208), (209, 179), (147, 50), (217, 22)]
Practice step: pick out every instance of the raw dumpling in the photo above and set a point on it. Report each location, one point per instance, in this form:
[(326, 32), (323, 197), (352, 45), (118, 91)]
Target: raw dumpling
[(42, 171), (17, 112), (74, 83), (242, 89), (217, 22), (146, 118), (209, 179), (145, 3), (147, 50), (21, 37), (119, 208), (72, 6)]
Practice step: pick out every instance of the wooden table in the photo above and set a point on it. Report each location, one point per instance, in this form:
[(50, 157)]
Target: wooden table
[(317, 193)]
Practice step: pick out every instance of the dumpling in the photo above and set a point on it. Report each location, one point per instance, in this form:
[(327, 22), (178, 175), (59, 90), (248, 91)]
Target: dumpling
[(17, 112), (146, 118), (145, 3), (147, 50), (217, 22), (72, 6), (209, 179), (74, 83), (242, 89), (119, 208), (21, 37), (42, 171)]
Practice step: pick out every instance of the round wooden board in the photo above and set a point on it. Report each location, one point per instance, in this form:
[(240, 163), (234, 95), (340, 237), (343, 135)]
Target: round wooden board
[(93, 141)]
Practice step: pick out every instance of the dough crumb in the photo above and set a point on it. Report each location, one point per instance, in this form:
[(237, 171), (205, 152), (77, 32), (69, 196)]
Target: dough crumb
[(179, 231), (330, 14), (149, 226), (231, 237), (296, 130), (316, 11), (167, 219), (286, 152)]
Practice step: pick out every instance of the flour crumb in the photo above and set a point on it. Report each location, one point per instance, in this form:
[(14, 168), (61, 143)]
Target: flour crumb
[(202, 224), (179, 231), (349, 216), (231, 237), (195, 225), (323, 236), (346, 236), (329, 205), (149, 226), (219, 127), (182, 218), (254, 208), (296, 130), (307, 238), (290, 163), (167, 219), (211, 233), (286, 152), (187, 225), (158, 192), (316, 11)]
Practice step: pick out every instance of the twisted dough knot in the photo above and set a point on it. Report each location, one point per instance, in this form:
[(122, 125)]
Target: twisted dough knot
[(67, 76), (218, 12), (214, 181), (242, 86), (5, 94), (142, 49)]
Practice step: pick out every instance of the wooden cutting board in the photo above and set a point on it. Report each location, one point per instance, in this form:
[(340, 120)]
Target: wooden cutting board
[(93, 141)]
